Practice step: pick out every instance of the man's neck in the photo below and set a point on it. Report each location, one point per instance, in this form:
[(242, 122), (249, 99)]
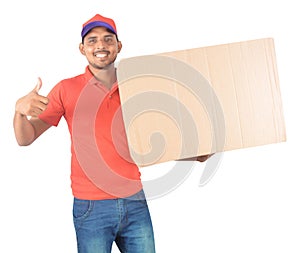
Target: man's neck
[(107, 77)]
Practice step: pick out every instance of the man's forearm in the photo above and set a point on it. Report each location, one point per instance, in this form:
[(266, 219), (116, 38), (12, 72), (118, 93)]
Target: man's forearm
[(24, 131)]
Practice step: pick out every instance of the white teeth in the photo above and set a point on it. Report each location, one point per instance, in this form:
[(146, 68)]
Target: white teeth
[(101, 55)]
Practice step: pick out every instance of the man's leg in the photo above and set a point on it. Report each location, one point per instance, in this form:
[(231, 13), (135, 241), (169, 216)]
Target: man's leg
[(96, 224), (136, 232)]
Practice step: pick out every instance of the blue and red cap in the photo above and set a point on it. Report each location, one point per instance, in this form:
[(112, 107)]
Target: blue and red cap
[(96, 21)]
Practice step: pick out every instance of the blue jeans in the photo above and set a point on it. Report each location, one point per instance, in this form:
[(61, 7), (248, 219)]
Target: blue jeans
[(125, 221)]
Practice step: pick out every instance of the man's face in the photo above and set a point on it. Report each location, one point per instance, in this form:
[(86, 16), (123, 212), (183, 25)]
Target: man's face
[(100, 48)]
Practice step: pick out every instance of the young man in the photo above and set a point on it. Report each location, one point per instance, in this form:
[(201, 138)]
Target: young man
[(109, 203)]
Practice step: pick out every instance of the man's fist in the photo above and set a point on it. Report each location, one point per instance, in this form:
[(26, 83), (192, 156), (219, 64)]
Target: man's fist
[(32, 104)]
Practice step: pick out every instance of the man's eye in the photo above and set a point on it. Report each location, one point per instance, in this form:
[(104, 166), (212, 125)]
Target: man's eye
[(91, 41), (108, 39)]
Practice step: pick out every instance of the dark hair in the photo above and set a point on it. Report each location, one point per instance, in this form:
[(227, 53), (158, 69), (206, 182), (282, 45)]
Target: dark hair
[(108, 30)]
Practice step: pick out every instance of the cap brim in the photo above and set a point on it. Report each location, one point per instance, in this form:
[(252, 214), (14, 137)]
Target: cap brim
[(94, 24)]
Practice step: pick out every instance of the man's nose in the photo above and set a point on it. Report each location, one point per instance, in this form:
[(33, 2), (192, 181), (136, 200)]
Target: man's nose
[(100, 44)]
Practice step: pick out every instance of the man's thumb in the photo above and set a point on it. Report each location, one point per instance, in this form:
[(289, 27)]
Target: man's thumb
[(38, 85)]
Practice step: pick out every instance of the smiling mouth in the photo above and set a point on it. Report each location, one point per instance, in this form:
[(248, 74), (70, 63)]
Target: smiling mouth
[(101, 54)]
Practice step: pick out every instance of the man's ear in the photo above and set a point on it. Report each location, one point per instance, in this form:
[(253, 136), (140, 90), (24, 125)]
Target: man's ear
[(119, 46), (81, 49)]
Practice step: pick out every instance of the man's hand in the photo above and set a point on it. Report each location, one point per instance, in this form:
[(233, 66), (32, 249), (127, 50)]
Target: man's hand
[(203, 158), (32, 104)]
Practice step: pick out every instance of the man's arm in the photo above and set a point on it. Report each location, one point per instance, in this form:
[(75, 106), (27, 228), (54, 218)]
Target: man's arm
[(33, 104)]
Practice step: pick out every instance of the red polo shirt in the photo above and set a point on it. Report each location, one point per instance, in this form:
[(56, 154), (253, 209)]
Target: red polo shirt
[(101, 166)]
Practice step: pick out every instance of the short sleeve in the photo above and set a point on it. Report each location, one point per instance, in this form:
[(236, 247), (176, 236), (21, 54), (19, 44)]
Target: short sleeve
[(55, 109)]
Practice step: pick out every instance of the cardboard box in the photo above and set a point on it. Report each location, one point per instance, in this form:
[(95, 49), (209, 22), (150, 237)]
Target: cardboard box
[(193, 102)]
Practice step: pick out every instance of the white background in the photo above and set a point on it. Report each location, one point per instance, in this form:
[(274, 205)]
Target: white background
[(252, 202)]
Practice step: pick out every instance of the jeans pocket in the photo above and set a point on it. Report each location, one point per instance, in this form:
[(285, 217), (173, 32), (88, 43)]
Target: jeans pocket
[(81, 208), (140, 198)]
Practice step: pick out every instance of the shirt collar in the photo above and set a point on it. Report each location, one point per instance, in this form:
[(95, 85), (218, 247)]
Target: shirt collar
[(91, 79)]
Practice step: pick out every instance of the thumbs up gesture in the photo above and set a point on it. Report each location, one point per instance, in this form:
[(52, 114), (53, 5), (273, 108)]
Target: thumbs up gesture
[(32, 104)]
